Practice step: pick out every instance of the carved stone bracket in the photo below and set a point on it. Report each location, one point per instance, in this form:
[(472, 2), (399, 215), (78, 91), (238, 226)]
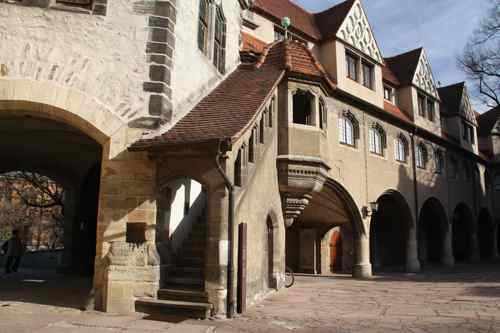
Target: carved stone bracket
[(299, 177)]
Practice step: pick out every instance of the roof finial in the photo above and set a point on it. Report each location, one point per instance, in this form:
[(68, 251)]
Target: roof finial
[(285, 23)]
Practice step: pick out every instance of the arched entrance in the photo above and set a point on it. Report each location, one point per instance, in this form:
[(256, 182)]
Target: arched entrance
[(35, 144), (486, 234), (309, 239), (462, 231), (181, 235), (432, 228), (389, 228)]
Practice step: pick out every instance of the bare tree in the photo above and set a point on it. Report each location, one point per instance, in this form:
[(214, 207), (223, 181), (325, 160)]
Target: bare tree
[(480, 60), (40, 197)]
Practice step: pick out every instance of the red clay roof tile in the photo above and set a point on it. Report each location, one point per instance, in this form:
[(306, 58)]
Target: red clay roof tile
[(396, 111), (252, 44)]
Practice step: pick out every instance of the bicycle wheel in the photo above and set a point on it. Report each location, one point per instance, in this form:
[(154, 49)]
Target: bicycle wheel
[(289, 277)]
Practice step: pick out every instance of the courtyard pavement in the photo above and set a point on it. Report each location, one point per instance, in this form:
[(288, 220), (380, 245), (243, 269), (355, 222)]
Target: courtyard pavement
[(465, 299)]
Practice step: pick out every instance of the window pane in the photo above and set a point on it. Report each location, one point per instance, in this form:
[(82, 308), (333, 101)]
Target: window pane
[(349, 132)]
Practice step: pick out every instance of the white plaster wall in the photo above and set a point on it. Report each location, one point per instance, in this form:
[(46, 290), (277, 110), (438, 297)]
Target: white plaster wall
[(102, 56), (194, 74)]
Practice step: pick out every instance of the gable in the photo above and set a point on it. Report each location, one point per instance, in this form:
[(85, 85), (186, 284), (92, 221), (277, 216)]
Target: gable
[(356, 31), (423, 77), (466, 110)]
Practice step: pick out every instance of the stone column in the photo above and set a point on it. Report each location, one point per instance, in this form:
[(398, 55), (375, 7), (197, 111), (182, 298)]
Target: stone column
[(362, 266), (217, 250), (448, 260), (325, 253), (474, 248), (412, 262)]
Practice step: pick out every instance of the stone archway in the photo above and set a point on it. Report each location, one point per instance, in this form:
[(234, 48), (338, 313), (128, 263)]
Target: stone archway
[(486, 234), (432, 230), (124, 193), (463, 231), (389, 232)]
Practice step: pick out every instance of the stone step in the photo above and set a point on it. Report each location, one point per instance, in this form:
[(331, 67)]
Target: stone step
[(185, 281), (180, 271), (196, 310), (184, 295)]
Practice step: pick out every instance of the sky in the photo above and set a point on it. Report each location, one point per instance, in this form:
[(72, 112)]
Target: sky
[(442, 27)]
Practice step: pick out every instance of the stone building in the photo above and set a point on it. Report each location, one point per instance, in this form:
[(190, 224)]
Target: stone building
[(203, 147)]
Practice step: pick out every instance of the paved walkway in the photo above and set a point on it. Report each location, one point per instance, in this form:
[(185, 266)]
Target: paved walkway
[(466, 299)]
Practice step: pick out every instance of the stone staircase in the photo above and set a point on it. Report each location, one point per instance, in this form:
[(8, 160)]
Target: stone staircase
[(183, 291)]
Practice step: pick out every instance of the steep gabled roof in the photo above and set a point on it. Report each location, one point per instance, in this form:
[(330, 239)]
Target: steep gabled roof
[(487, 121), (330, 20), (227, 111), (319, 26), (301, 19), (451, 97), (404, 65), (389, 76)]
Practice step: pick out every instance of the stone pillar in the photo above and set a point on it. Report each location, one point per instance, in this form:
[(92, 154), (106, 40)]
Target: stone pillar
[(217, 250), (362, 266), (308, 251), (448, 260), (412, 262), (325, 259), (474, 248)]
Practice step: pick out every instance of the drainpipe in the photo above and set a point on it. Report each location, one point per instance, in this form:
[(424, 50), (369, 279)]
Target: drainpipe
[(415, 184), (230, 221)]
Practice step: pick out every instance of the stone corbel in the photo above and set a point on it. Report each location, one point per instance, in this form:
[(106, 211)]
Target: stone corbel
[(299, 177)]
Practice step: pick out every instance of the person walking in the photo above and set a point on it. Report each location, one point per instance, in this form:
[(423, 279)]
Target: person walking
[(14, 253)]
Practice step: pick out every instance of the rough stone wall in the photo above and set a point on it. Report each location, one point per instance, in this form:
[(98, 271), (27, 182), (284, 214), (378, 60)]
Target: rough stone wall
[(102, 56)]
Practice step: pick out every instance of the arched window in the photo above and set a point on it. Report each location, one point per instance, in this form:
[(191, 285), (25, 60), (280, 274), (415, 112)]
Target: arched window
[(323, 116), (377, 139), (348, 129), (439, 162), (400, 149), (220, 40), (203, 23), (421, 156), (303, 106)]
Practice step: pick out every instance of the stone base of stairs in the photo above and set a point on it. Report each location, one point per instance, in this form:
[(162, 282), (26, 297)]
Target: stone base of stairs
[(195, 310)]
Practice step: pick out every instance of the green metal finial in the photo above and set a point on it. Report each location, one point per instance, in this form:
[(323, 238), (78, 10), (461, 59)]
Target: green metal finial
[(286, 22)]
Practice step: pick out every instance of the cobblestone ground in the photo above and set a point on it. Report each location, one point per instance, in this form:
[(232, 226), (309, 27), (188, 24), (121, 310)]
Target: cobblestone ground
[(465, 299)]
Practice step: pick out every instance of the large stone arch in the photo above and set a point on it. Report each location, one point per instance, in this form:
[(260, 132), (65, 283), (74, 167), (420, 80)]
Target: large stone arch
[(125, 189), (433, 230), (392, 234), (464, 238)]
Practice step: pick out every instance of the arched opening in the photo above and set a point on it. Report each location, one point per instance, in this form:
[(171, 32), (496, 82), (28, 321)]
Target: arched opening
[(389, 232), (486, 234), (432, 227), (303, 108), (181, 232), (63, 156), (462, 230), (309, 239)]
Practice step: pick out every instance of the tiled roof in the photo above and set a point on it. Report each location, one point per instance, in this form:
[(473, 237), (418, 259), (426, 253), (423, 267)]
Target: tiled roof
[(404, 65), (252, 44), (396, 111), (487, 121), (302, 20), (319, 26), (229, 109), (451, 96), (389, 76)]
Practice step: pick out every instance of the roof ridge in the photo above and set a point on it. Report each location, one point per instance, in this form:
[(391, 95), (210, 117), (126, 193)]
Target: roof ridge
[(420, 49)]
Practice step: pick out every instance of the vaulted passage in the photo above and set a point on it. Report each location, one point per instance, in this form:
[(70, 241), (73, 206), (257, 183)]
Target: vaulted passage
[(71, 159), (486, 234), (432, 227), (389, 232), (462, 230)]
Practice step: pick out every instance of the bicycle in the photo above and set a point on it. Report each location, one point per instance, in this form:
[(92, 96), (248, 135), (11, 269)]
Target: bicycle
[(289, 277)]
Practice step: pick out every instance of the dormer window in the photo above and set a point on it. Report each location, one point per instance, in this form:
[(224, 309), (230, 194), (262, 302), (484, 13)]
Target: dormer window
[(421, 105), (430, 109), (352, 66), (468, 132), (367, 74), (388, 94)]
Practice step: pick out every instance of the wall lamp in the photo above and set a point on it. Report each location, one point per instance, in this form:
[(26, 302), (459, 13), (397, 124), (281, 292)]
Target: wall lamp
[(369, 211)]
